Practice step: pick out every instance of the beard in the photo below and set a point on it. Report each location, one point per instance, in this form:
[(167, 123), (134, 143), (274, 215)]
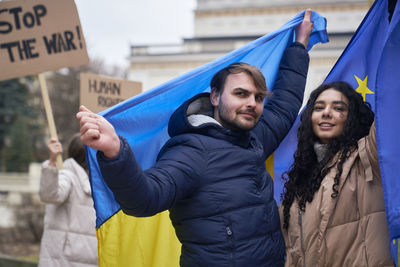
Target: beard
[(233, 121)]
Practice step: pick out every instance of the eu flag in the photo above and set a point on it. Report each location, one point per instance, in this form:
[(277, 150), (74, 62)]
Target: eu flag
[(371, 64), (142, 120)]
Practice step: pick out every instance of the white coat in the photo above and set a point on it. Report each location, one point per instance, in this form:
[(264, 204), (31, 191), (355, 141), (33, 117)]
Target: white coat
[(69, 236)]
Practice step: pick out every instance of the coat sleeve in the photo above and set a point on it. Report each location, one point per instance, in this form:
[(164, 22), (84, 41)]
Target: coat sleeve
[(145, 193), (281, 110), (369, 155), (55, 185)]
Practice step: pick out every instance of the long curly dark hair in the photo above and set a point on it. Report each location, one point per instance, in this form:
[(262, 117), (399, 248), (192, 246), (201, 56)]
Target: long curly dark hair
[(304, 177)]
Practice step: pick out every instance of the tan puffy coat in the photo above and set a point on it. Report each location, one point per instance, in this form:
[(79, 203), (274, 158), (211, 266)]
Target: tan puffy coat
[(69, 237), (350, 230)]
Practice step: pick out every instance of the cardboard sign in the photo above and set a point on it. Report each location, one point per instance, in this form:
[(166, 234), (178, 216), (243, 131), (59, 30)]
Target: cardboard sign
[(100, 92), (38, 36)]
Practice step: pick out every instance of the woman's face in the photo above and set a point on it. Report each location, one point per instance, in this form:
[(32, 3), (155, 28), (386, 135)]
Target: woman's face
[(329, 115)]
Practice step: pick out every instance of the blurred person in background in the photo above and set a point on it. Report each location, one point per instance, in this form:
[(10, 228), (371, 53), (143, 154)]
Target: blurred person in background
[(69, 236)]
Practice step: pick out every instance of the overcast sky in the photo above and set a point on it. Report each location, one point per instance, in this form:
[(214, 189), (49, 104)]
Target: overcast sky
[(110, 27)]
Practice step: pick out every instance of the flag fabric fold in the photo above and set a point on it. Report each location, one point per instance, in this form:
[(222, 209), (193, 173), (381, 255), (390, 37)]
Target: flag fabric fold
[(369, 63), (142, 120), (387, 109)]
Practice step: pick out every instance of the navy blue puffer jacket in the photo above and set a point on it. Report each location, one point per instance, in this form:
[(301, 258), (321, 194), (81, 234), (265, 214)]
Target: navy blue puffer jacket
[(213, 180)]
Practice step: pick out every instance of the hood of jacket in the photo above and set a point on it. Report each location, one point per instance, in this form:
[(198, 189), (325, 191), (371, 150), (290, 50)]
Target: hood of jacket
[(196, 116), (80, 173)]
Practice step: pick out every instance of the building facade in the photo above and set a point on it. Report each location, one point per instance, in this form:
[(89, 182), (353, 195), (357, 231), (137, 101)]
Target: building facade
[(221, 26)]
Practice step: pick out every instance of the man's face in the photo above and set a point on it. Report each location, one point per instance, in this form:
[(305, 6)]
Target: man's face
[(240, 105)]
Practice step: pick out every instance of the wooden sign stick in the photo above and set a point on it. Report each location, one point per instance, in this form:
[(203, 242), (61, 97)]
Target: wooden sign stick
[(49, 114)]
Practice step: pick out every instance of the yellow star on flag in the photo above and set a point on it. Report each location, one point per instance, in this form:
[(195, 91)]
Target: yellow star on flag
[(362, 87)]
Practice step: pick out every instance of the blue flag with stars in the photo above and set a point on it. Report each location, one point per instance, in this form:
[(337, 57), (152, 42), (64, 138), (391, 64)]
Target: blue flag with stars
[(371, 64), (359, 63)]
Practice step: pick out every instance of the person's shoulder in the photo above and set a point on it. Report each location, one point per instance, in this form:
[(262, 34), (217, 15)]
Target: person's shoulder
[(69, 163), (71, 166), (184, 141), (192, 139)]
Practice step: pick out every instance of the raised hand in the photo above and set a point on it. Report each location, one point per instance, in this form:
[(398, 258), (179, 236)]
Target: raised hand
[(97, 132), (55, 149), (304, 30)]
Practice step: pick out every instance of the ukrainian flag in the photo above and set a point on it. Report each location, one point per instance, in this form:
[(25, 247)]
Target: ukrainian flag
[(128, 241)]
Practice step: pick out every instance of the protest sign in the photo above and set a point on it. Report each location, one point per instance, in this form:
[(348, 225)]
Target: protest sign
[(38, 36), (101, 92)]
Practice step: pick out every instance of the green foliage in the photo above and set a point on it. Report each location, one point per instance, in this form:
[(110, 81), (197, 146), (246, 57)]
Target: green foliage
[(17, 154), (13, 97), (19, 129)]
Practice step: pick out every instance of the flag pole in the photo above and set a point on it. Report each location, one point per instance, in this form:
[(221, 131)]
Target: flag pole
[(49, 114)]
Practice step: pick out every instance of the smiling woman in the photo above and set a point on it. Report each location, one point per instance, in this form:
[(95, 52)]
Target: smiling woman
[(333, 200), (329, 115)]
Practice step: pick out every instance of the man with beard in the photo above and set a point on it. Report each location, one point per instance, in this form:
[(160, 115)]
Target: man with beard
[(211, 175)]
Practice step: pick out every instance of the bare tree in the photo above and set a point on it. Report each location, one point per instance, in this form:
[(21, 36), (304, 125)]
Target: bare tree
[(64, 94)]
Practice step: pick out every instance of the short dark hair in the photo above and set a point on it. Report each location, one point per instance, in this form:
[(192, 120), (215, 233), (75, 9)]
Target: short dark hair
[(219, 78), (76, 150)]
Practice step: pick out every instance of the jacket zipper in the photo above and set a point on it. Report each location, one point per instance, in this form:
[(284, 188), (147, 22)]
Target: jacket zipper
[(301, 238), (229, 233)]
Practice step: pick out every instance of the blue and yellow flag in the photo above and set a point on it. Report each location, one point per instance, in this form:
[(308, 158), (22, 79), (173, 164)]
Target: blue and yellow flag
[(142, 120), (371, 64)]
